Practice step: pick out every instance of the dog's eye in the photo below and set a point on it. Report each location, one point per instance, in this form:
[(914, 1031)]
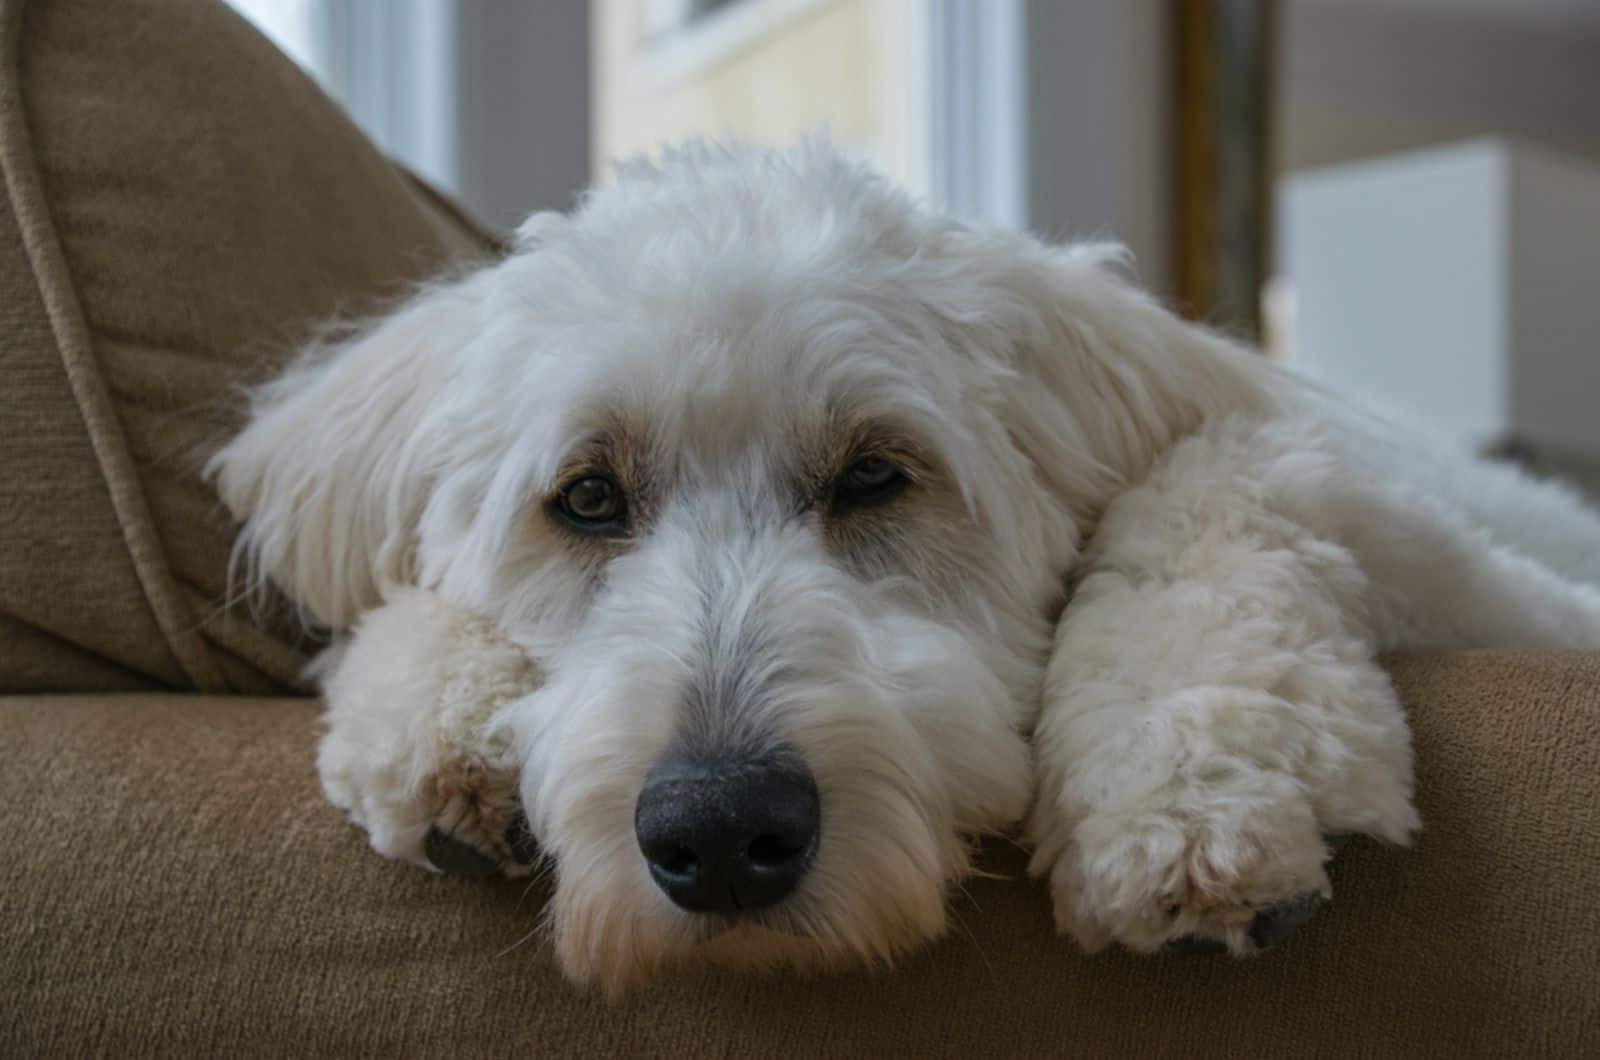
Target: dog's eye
[(594, 503), (869, 481)]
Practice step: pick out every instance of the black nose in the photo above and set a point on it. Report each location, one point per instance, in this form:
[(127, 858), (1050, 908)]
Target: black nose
[(728, 836)]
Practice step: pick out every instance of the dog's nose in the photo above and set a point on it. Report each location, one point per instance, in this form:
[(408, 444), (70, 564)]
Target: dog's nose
[(728, 836)]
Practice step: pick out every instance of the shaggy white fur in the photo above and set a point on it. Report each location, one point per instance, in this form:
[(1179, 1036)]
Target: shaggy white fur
[(730, 342), (413, 695)]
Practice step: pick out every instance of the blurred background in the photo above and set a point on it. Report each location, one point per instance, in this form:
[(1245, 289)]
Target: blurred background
[(1400, 196)]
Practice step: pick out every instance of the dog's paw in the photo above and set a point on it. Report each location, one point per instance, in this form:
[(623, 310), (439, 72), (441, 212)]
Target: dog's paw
[(478, 829), (1235, 876), (463, 820), (413, 752)]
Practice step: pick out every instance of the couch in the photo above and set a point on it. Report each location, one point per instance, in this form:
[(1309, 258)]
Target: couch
[(180, 206)]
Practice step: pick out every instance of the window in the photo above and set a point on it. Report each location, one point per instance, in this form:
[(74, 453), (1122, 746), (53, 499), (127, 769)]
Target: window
[(297, 27), (389, 63), (666, 16)]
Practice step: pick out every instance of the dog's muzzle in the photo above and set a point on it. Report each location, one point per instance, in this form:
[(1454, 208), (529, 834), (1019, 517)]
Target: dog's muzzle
[(728, 835)]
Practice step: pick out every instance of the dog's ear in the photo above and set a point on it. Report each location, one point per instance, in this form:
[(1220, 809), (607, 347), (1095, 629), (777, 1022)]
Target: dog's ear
[(1100, 376), (331, 472)]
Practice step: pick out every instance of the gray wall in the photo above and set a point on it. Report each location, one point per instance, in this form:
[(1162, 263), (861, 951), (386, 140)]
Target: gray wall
[(1098, 132), (523, 106), (1361, 78)]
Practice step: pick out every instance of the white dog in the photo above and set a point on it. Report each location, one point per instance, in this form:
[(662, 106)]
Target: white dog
[(747, 501)]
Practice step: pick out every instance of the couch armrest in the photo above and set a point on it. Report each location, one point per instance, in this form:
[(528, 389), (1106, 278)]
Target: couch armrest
[(176, 884)]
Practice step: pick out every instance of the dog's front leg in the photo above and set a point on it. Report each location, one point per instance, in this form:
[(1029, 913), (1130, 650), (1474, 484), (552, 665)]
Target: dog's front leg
[(413, 752), (1212, 712)]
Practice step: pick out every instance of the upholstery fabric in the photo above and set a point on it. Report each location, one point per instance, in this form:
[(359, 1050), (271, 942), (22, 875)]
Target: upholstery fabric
[(180, 205), (175, 885)]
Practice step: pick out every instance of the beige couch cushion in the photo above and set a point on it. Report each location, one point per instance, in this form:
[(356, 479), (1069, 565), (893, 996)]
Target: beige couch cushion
[(180, 205), (175, 885)]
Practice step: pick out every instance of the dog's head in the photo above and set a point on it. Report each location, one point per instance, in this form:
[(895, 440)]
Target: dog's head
[(779, 478)]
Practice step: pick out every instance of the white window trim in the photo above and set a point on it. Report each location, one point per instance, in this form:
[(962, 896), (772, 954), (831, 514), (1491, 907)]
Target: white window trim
[(1055, 117), (976, 62), (468, 127), (400, 82)]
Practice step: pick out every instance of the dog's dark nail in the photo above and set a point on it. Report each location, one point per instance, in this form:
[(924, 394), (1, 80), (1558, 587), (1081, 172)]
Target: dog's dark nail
[(1272, 926), (1196, 944), (519, 840), (455, 858)]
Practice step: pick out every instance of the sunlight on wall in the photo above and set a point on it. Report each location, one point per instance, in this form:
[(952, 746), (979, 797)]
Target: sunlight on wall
[(762, 70)]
